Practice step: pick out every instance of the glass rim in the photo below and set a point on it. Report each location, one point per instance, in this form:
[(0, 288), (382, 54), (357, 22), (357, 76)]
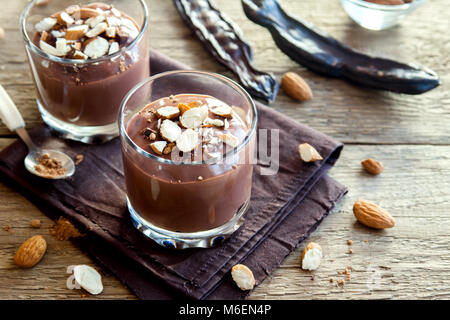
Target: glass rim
[(386, 7), (130, 142), (38, 50)]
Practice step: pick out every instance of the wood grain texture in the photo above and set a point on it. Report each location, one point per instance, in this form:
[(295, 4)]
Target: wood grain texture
[(409, 134)]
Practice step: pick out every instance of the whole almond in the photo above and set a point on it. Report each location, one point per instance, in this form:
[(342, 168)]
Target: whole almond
[(30, 252), (296, 87), (371, 215), (372, 166)]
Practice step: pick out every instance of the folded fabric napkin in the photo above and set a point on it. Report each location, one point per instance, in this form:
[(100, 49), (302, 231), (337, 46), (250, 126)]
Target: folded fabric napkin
[(284, 209)]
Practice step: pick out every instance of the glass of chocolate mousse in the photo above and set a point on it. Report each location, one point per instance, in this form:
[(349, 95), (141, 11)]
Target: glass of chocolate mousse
[(84, 58), (188, 144)]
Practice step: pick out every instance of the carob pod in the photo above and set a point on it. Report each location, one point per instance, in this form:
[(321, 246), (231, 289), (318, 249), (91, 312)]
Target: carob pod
[(324, 54), (223, 39)]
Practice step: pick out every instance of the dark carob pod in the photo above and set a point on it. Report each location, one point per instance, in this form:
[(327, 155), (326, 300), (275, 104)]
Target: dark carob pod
[(223, 40), (325, 55)]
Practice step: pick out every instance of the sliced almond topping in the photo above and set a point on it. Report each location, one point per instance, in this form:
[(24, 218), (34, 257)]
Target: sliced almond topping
[(213, 122), (65, 19), (93, 21), (167, 112), (158, 146), (243, 277), (194, 104), (58, 34), (98, 29), (188, 140), (86, 13), (44, 36), (194, 117), (111, 32), (61, 45), (76, 45), (229, 139), (169, 130), (79, 55), (222, 110), (113, 21), (114, 47), (73, 9), (183, 107), (45, 24), (96, 48), (311, 256), (76, 32), (169, 147), (308, 153), (51, 50), (115, 12)]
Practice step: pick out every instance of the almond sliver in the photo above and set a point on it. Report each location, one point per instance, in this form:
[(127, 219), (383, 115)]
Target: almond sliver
[(194, 117), (188, 140), (222, 110), (158, 146), (168, 112), (229, 139), (169, 130), (76, 32)]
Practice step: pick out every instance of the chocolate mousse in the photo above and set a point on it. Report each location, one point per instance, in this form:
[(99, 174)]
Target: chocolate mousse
[(105, 63), (197, 179)]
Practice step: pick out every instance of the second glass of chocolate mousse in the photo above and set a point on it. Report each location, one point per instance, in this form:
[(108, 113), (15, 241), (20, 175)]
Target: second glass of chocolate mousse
[(84, 58), (188, 143)]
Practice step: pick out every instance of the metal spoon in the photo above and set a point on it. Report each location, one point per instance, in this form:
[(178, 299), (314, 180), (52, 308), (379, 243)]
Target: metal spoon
[(14, 121)]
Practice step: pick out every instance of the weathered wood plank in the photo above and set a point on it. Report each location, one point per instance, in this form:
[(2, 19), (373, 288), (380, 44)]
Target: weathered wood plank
[(345, 111), (414, 188)]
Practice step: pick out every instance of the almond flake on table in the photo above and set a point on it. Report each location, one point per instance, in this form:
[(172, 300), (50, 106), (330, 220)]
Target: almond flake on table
[(243, 277), (308, 153), (88, 278), (311, 256)]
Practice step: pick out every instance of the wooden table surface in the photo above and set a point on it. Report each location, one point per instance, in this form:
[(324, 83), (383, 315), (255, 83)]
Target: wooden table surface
[(409, 134)]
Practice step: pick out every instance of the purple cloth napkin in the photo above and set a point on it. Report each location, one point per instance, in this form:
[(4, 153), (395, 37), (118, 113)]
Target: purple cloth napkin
[(285, 208)]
